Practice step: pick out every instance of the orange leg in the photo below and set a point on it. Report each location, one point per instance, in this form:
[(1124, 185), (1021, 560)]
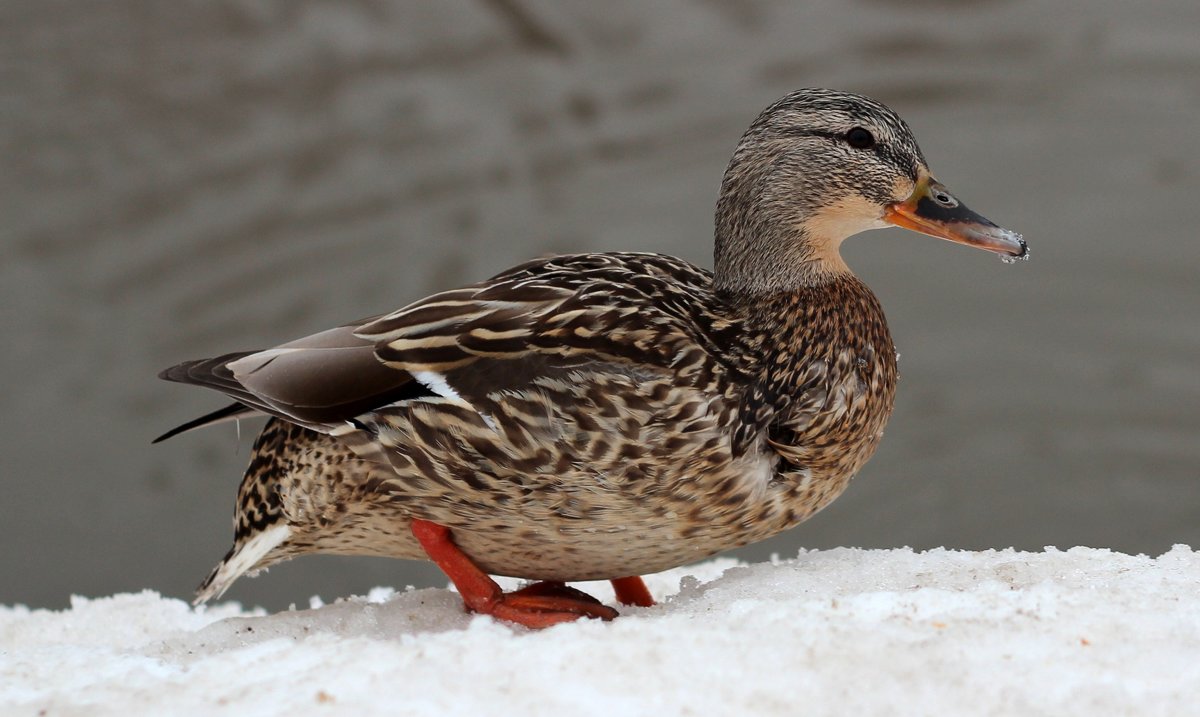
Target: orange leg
[(632, 591), (536, 606)]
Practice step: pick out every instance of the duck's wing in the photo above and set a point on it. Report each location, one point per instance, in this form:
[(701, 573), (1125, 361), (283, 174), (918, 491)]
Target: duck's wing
[(634, 313), (316, 381)]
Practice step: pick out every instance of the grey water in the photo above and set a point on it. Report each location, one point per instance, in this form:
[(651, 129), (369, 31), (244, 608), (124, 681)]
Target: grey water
[(184, 179)]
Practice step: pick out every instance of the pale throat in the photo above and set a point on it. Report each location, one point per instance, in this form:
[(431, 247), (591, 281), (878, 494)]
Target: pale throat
[(826, 228)]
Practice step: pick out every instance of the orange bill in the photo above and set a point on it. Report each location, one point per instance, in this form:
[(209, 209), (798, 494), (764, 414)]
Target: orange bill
[(933, 210)]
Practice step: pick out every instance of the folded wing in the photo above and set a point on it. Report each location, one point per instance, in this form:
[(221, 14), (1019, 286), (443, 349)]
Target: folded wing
[(632, 313)]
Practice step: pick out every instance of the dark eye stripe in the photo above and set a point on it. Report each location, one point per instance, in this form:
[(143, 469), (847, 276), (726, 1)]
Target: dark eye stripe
[(835, 136), (794, 132), (894, 156)]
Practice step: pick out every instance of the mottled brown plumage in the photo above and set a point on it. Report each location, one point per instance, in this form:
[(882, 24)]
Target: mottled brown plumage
[(603, 415)]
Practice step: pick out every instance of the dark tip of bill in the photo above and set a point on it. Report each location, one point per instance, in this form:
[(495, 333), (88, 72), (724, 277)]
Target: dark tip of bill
[(1024, 255)]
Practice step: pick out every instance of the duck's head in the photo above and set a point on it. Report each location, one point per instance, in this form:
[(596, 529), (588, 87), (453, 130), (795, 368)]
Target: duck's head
[(816, 167)]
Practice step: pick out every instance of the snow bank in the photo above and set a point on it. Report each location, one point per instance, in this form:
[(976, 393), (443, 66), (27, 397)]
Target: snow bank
[(835, 632)]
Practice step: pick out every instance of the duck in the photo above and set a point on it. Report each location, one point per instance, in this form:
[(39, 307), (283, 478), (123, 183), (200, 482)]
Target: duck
[(601, 416)]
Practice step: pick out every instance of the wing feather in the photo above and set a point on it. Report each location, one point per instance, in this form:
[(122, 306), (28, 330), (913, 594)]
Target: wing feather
[(638, 313), (319, 381), (635, 309)]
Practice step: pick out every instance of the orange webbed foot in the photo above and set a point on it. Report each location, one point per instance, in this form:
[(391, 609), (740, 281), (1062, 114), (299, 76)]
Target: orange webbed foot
[(549, 603), (535, 606)]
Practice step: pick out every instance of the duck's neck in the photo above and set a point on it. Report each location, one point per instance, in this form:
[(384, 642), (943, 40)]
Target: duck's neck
[(777, 260), (770, 243)]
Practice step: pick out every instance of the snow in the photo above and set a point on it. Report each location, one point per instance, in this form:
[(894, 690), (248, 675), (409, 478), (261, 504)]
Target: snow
[(888, 632)]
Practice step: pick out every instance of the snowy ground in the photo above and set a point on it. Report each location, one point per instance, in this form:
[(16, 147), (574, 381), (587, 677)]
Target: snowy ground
[(840, 632)]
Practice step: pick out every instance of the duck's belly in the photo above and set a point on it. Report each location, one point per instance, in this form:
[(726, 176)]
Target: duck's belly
[(583, 524), (612, 532), (633, 482)]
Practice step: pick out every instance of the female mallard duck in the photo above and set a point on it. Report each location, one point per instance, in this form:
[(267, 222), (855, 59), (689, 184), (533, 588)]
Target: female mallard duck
[(600, 416)]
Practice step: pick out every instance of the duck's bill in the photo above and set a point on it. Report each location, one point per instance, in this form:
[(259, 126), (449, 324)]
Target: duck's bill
[(934, 211)]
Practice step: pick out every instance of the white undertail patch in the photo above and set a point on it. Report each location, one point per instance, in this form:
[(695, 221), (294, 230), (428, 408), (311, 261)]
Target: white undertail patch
[(245, 558)]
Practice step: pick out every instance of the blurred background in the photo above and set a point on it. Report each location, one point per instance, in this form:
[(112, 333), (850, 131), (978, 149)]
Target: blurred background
[(188, 178)]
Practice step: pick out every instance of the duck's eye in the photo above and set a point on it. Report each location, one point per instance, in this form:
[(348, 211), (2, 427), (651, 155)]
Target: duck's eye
[(860, 138)]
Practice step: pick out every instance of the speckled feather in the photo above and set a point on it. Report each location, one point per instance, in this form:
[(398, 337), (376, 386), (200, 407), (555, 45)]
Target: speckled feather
[(595, 415), (693, 425)]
